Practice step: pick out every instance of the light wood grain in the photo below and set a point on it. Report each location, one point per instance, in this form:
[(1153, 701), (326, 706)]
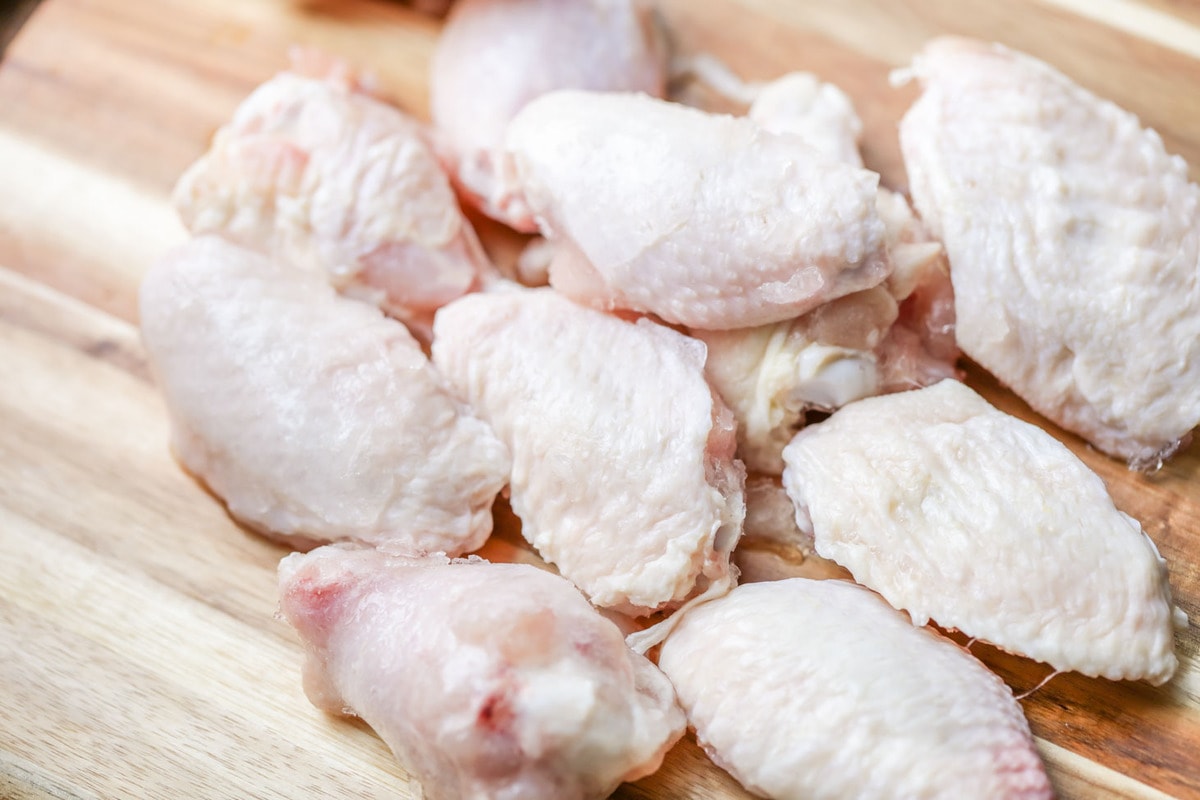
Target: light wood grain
[(1142, 20), (139, 651)]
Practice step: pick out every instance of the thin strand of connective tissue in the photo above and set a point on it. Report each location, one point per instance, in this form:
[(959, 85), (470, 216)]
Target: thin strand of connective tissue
[(641, 641), (1045, 680), (715, 74)]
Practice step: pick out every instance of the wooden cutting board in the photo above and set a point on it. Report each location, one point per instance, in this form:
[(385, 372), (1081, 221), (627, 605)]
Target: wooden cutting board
[(140, 655)]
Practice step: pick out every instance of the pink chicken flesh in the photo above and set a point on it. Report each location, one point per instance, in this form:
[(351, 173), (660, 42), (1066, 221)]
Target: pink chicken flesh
[(816, 690), (771, 375), (313, 416), (705, 220), (494, 56), (320, 175), (919, 348), (623, 469), (493, 681)]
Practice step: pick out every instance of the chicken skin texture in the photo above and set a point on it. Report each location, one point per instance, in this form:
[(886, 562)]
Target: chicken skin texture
[(1074, 242), (318, 174), (487, 681), (820, 113), (896, 336), (706, 220), (817, 690), (957, 512), (494, 56), (919, 348), (314, 417), (623, 470)]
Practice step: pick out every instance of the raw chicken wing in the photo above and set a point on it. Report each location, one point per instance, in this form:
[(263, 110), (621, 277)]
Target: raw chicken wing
[(899, 335), (820, 113), (1074, 242), (623, 470), (314, 417), (868, 343), (494, 56), (957, 512), (816, 690), (493, 681), (317, 174), (705, 220), (920, 348)]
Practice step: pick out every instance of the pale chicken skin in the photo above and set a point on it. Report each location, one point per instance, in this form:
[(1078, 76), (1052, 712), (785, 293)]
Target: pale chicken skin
[(313, 416), (705, 220), (318, 174), (494, 56), (819, 112), (487, 681), (920, 348), (957, 512), (823, 116), (623, 470), (1074, 241), (896, 336), (845, 700)]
